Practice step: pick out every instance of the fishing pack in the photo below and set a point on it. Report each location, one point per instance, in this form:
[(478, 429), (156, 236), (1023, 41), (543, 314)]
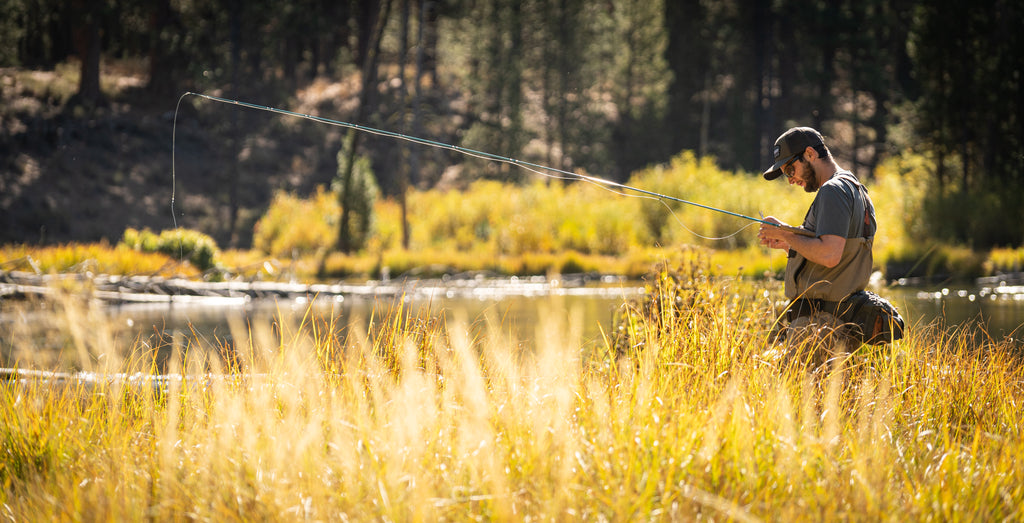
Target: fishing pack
[(871, 318)]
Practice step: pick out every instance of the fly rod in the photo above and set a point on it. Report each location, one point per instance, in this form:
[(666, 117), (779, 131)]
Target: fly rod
[(790, 228), (537, 168)]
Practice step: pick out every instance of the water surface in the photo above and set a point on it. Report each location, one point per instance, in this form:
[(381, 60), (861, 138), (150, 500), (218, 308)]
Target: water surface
[(520, 306)]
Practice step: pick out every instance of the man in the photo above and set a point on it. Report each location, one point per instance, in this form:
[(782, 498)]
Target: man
[(835, 259)]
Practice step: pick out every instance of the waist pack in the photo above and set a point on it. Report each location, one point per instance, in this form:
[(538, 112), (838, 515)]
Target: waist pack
[(868, 317), (871, 318)]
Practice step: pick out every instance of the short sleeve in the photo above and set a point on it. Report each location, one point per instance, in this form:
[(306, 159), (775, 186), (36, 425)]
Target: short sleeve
[(833, 210)]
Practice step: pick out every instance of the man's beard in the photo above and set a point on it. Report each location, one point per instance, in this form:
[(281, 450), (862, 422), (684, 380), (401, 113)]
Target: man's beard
[(811, 183)]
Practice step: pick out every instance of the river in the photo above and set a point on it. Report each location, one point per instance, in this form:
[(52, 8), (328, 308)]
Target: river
[(997, 310), (521, 305)]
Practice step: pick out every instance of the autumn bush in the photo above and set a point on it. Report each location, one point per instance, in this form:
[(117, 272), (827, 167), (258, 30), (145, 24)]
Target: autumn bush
[(295, 226), (182, 244)]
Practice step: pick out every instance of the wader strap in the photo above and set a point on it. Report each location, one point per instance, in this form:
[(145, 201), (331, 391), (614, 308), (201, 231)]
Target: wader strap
[(808, 306)]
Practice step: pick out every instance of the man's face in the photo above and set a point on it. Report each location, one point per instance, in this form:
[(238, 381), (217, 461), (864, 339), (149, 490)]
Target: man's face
[(804, 175)]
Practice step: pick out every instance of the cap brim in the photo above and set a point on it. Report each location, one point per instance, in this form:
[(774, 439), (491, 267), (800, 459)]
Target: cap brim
[(775, 171)]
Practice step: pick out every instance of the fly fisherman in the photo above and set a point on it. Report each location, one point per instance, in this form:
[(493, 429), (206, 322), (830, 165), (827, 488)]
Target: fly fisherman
[(824, 269)]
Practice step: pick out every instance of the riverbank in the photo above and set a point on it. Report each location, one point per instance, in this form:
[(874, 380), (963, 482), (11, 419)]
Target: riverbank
[(422, 418), (991, 306), (935, 265)]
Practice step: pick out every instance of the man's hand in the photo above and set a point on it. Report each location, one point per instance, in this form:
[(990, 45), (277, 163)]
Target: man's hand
[(771, 236)]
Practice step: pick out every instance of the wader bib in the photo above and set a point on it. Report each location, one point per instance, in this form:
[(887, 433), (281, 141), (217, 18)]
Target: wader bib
[(811, 281)]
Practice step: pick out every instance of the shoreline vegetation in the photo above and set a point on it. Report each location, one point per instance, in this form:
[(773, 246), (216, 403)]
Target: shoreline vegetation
[(681, 414), (534, 229), (103, 258)]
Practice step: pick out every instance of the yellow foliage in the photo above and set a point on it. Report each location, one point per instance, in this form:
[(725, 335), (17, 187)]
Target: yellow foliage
[(489, 223), (297, 226), (899, 193), (1005, 260), (98, 258), (591, 218), (701, 181)]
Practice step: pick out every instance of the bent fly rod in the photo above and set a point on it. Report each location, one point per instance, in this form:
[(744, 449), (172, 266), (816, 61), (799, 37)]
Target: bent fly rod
[(533, 167)]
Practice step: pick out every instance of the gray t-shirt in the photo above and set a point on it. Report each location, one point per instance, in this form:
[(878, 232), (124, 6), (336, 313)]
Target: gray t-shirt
[(832, 211)]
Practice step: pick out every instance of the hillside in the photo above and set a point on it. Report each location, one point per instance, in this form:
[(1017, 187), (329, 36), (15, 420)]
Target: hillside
[(68, 174)]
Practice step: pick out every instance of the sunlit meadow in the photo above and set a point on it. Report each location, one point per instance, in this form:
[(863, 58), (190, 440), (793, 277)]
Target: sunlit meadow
[(677, 415)]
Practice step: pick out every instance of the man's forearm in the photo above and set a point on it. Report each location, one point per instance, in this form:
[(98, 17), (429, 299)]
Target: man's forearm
[(824, 250)]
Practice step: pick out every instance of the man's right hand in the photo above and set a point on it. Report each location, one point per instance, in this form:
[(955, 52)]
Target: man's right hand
[(771, 236)]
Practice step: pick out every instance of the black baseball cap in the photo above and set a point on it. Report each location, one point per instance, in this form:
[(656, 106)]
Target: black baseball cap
[(792, 143)]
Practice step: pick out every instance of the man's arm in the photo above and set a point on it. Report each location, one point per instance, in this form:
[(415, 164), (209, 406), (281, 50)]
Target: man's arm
[(824, 250)]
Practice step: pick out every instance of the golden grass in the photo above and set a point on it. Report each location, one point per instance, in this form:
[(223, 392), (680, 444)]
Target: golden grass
[(97, 258), (413, 419)]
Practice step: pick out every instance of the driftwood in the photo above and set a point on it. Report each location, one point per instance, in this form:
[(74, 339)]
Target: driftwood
[(145, 289), (116, 290)]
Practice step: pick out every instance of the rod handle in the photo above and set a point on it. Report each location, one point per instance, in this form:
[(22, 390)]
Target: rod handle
[(795, 230)]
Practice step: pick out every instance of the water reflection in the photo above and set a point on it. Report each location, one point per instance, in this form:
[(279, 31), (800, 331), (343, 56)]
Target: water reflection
[(996, 310), (518, 307)]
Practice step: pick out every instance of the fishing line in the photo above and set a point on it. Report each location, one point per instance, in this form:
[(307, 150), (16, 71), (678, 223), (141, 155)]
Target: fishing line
[(542, 170), (174, 146)]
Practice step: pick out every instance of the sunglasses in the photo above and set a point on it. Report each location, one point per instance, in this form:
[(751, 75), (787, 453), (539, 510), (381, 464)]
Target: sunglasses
[(788, 169)]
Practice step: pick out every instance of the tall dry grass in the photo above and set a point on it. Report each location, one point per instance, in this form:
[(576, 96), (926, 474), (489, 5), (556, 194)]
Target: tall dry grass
[(417, 419)]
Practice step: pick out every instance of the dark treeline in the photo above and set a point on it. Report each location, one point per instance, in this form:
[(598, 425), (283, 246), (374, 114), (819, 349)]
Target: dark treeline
[(607, 86)]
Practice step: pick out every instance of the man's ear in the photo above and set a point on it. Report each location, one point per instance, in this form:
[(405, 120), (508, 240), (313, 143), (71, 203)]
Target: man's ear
[(810, 154)]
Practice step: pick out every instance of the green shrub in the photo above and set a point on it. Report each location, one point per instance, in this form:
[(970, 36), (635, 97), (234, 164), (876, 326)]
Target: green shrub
[(915, 207), (361, 200), (144, 240), (182, 244), (937, 260)]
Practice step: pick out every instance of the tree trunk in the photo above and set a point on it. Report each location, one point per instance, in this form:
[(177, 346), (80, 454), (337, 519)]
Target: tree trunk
[(429, 17), (235, 36), (403, 167), (366, 21), (87, 45), (765, 75), (340, 13), (417, 97), (160, 66), (365, 99)]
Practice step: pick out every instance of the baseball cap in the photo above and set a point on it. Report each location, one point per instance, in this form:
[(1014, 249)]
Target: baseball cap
[(792, 143)]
